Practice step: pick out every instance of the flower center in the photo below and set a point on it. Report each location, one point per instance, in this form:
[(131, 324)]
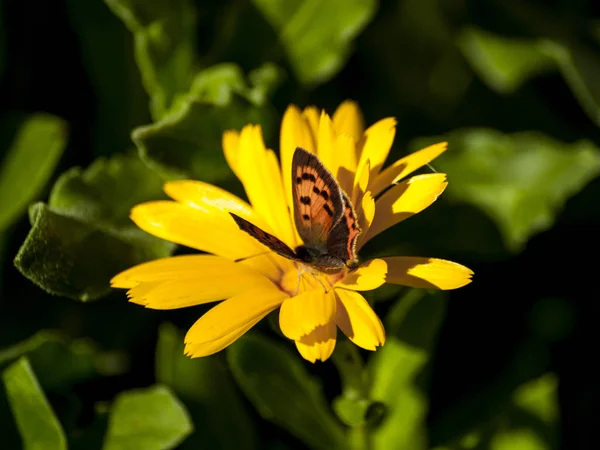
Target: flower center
[(302, 278)]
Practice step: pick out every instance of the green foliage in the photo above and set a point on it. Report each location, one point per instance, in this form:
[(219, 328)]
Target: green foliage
[(151, 418), (505, 63), (37, 146), (87, 214), (283, 392), (520, 180), (164, 34), (186, 142), (39, 427), (209, 392), (397, 370), (317, 35)]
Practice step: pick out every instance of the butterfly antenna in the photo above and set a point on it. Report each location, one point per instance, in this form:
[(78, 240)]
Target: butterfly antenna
[(431, 167), (253, 256)]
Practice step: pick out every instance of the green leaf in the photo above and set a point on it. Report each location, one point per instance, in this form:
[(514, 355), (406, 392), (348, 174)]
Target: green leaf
[(283, 392), (84, 236), (59, 362), (397, 370), (580, 66), (35, 419), (520, 180), (164, 32), (317, 36), (32, 156), (209, 392), (503, 63), (186, 143), (105, 50), (152, 419)]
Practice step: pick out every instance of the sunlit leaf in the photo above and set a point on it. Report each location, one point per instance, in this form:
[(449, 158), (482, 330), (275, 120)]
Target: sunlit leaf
[(39, 427), (83, 237), (397, 370), (316, 35), (277, 384), (164, 33), (208, 390), (187, 141), (501, 62), (520, 180), (152, 419), (31, 158)]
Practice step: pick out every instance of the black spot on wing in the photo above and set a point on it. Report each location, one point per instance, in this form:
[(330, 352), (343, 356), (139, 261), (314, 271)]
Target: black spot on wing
[(316, 190), (305, 200), (328, 210), (325, 195), (305, 217)]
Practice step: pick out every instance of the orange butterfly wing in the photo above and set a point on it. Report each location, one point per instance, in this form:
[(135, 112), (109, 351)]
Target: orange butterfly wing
[(318, 201), (342, 238)]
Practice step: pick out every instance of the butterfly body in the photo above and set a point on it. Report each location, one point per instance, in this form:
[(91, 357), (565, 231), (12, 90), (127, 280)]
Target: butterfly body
[(323, 215)]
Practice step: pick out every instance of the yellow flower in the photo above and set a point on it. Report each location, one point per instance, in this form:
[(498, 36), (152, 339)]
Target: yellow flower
[(312, 305)]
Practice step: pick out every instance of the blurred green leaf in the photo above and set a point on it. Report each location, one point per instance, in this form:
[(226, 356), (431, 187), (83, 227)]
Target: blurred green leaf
[(149, 419), (39, 427), (209, 392), (397, 370), (59, 362), (580, 66), (316, 35), (531, 423), (520, 180), (24, 171), (106, 49), (186, 143), (84, 236), (283, 392), (528, 422), (503, 63), (164, 33)]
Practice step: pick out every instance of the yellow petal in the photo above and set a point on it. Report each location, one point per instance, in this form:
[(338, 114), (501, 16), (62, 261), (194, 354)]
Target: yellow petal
[(404, 200), (231, 147), (295, 132), (365, 219), (370, 275), (319, 344), (301, 314), (231, 318), (311, 114), (358, 321), (212, 347), (429, 273), (187, 226), (261, 176), (378, 142), (348, 119), (343, 163), (173, 268), (213, 200), (405, 166), (162, 286), (326, 139)]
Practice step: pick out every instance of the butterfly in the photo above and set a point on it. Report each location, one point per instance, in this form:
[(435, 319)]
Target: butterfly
[(324, 218)]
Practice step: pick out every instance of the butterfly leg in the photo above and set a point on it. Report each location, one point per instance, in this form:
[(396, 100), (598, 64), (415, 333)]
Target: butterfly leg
[(320, 282)]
